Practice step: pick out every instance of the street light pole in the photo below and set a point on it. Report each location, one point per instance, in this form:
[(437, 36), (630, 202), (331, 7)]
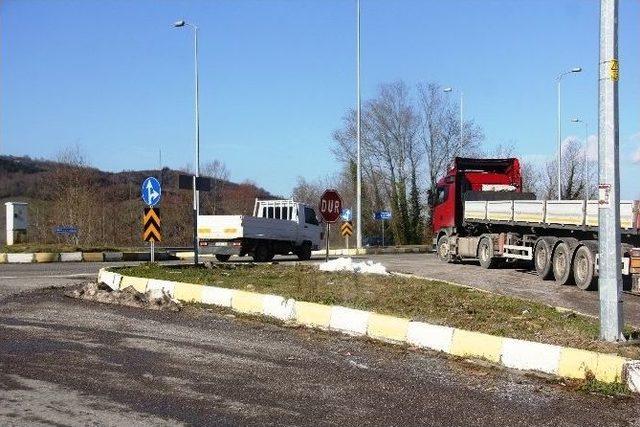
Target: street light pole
[(358, 160), (558, 80), (609, 274), (196, 193)]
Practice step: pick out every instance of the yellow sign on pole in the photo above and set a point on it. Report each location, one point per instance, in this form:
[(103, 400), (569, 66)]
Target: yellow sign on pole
[(614, 71), (151, 221), (346, 229)]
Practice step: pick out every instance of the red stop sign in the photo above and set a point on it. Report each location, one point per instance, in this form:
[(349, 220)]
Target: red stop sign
[(330, 205)]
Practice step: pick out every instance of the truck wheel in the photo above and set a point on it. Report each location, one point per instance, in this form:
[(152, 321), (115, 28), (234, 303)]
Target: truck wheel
[(304, 252), (583, 269), (223, 258), (485, 254), (562, 264), (443, 249), (263, 253), (542, 259)]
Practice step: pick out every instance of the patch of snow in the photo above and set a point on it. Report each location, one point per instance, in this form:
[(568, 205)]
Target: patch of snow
[(347, 264)]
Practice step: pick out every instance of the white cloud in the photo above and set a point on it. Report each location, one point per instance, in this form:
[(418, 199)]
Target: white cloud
[(635, 157)]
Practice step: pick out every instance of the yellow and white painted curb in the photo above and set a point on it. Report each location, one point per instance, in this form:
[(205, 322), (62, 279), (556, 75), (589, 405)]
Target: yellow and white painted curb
[(39, 257), (512, 353)]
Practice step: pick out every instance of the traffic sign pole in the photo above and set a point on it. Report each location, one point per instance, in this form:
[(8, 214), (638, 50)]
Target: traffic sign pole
[(326, 256), (153, 251), (383, 232)]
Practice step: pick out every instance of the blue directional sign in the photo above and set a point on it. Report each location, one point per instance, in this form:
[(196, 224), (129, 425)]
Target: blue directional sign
[(151, 191), (346, 214), (382, 215)]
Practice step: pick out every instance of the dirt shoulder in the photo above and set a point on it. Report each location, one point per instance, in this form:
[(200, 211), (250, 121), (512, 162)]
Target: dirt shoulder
[(425, 300)]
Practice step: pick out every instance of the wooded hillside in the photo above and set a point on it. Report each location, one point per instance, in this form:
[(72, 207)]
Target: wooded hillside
[(106, 206)]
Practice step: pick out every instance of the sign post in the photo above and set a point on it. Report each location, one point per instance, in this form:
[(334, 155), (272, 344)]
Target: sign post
[(330, 207), (346, 229), (151, 193), (382, 216)]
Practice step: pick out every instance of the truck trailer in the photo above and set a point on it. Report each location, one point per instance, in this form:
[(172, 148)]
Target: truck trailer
[(479, 211)]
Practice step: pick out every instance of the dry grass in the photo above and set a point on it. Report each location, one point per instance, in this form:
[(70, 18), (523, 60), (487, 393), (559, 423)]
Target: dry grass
[(418, 299)]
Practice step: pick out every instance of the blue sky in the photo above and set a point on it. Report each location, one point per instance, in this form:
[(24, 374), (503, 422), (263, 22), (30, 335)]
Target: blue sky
[(276, 76)]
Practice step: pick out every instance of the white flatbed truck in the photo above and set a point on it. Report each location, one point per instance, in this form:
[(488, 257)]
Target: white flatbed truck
[(277, 227)]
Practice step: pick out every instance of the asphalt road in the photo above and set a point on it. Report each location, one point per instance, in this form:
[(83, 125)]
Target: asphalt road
[(70, 362), (64, 361)]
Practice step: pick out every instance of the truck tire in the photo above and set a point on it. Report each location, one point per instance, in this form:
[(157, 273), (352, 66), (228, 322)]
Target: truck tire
[(542, 259), (485, 253), (443, 249), (223, 258), (584, 269), (304, 252), (263, 253), (562, 264)]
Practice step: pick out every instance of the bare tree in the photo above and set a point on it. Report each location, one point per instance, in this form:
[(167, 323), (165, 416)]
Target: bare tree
[(573, 174), (219, 174), (441, 134), (531, 177), (74, 203)]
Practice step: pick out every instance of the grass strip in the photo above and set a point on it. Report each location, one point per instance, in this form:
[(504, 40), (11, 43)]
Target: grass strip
[(418, 299)]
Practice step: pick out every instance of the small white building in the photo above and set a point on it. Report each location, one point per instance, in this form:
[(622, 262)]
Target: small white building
[(17, 222)]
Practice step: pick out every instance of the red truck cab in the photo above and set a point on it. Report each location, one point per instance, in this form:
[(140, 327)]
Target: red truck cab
[(469, 176)]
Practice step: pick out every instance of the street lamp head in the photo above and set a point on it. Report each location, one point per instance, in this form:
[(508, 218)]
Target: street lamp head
[(448, 89), (178, 24), (576, 120), (576, 69)]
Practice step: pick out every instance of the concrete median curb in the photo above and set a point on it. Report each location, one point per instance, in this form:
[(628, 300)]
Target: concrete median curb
[(46, 257), (40, 257), (512, 353)]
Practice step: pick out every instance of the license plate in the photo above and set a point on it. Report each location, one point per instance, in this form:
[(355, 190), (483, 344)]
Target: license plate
[(221, 243)]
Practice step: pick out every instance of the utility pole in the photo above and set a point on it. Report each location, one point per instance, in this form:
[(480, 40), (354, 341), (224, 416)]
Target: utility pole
[(358, 160), (196, 193), (609, 280)]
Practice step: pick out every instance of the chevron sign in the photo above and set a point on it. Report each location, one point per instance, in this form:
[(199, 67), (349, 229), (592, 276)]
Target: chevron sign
[(151, 222)]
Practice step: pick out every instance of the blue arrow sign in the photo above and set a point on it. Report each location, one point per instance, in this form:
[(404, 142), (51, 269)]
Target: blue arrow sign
[(346, 215), (151, 191)]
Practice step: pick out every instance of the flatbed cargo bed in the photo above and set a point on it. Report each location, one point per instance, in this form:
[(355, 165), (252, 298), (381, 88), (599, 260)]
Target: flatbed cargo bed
[(564, 214)]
